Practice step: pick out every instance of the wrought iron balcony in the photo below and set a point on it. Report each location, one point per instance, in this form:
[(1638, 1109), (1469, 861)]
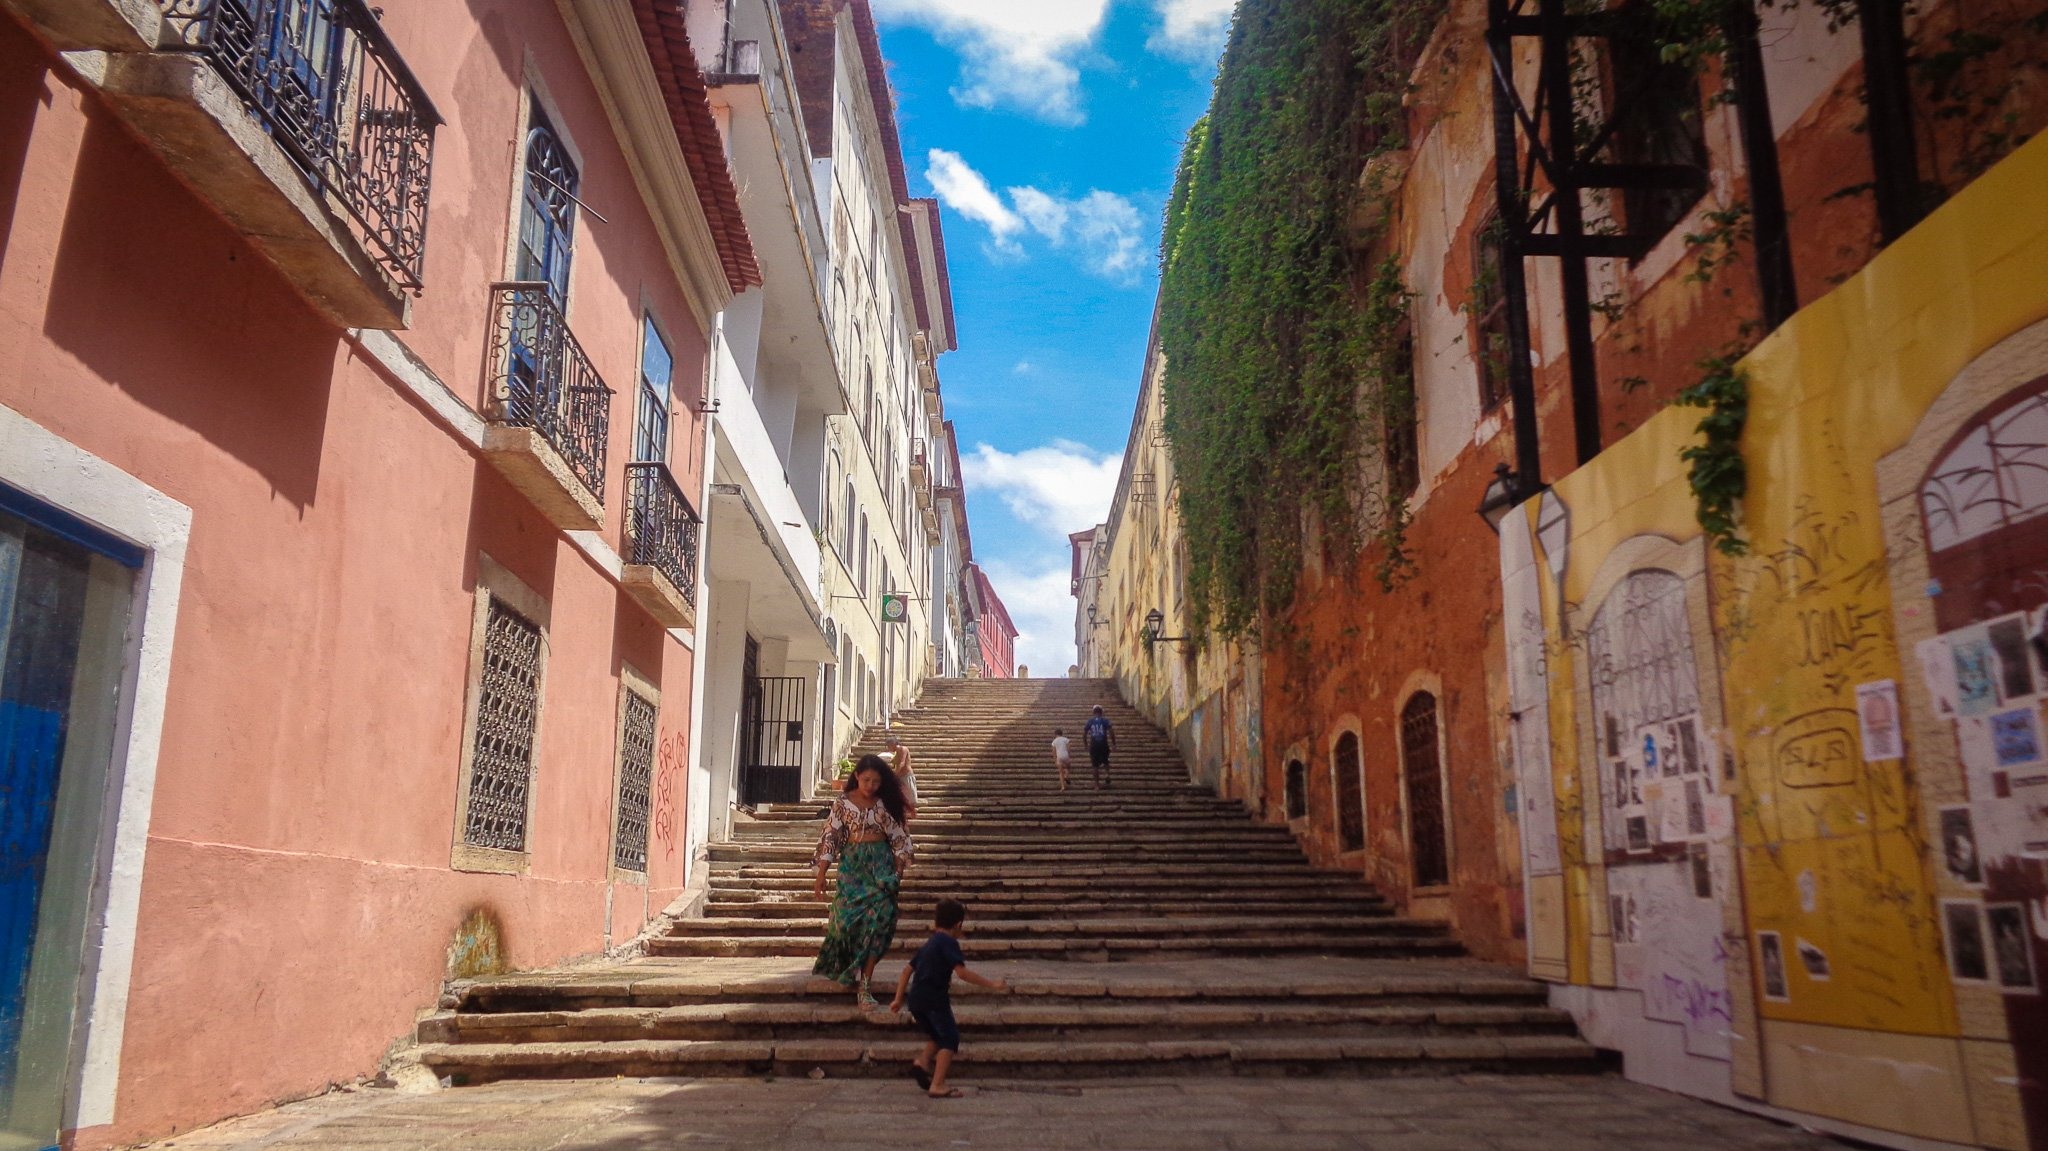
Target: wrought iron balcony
[(332, 91), (662, 530), (543, 382)]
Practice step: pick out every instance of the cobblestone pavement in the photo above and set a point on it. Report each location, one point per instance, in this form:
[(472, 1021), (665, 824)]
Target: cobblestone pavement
[(1475, 1113)]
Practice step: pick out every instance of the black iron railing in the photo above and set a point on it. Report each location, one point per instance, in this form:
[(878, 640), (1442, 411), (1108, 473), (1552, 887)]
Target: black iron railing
[(331, 89), (542, 380), (661, 526)]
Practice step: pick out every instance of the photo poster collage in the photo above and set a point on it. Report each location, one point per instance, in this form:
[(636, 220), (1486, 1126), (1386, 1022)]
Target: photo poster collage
[(1990, 679), (1663, 788)]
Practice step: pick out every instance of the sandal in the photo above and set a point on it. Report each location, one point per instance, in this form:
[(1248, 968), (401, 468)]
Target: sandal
[(948, 1093), (923, 1077), (866, 999)]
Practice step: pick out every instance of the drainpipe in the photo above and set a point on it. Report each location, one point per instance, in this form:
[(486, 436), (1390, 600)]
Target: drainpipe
[(699, 649)]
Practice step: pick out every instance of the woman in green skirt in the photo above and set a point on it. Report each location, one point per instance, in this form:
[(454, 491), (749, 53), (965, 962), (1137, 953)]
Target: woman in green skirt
[(864, 835)]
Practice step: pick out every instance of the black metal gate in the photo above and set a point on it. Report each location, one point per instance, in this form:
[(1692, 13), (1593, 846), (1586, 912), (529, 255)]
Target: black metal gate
[(772, 741)]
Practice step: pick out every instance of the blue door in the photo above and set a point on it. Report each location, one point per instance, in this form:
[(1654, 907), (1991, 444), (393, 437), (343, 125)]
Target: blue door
[(63, 607)]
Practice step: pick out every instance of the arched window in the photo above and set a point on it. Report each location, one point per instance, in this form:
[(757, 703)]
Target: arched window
[(1428, 846), (1350, 771), (1297, 789)]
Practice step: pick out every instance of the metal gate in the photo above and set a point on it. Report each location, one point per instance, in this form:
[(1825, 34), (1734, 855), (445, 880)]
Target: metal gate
[(772, 741)]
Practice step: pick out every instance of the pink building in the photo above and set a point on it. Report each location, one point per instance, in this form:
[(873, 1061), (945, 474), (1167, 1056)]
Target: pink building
[(993, 631), (350, 465)]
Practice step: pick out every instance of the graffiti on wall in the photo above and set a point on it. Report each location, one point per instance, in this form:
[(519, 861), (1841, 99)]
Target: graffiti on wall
[(670, 770)]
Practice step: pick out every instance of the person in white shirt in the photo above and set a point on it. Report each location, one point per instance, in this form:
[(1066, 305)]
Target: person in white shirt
[(1062, 757), (899, 762)]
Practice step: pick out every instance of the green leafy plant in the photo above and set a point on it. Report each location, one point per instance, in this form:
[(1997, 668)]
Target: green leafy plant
[(1275, 323), (1715, 467)]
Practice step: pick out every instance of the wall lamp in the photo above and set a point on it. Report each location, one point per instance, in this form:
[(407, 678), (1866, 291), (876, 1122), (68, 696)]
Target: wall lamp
[(1092, 621), (1155, 626), (1507, 490)]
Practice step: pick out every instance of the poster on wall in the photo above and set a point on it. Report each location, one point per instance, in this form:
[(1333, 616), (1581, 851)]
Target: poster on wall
[(1772, 950), (1963, 925), (2007, 636), (1877, 713), (1959, 846), (1975, 672), (2012, 952), (1938, 671)]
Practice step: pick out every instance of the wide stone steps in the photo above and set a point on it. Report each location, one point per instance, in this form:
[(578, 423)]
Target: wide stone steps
[(1092, 948), (1151, 928), (644, 1021), (988, 927)]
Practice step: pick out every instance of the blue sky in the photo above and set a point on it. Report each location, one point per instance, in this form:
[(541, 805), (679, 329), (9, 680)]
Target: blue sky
[(1049, 130)]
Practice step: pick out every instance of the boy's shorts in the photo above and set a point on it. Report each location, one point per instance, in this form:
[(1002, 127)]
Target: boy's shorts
[(937, 1021), (1098, 754)]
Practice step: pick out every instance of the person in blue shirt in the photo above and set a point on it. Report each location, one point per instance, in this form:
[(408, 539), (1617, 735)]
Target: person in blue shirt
[(1101, 739), (927, 987)]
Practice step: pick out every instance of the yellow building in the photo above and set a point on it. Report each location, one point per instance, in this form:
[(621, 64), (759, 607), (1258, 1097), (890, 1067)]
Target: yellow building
[(1131, 615)]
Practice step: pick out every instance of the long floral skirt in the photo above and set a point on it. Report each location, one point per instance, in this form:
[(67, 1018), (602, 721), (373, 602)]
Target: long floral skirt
[(863, 921)]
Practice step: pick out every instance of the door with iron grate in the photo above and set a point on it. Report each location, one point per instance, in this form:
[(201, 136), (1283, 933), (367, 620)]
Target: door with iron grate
[(772, 741), (1428, 847), (508, 703)]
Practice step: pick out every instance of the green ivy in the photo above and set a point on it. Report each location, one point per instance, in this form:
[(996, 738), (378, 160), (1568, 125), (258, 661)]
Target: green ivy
[(1276, 327), (1715, 466)]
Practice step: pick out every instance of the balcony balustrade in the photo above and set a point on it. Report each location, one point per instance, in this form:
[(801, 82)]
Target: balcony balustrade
[(550, 410), (331, 90), (662, 531)]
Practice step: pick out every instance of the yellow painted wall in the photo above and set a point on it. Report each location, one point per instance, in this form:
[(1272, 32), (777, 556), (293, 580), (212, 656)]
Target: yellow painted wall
[(1832, 850)]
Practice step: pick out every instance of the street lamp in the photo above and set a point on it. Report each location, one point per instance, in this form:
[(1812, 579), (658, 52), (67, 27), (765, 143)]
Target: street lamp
[(1155, 625), (1502, 495), (1092, 621)]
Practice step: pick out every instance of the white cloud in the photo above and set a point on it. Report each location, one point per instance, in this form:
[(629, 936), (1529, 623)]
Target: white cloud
[(1041, 606), (1107, 228), (1104, 229), (1014, 53), (964, 190), (1058, 487), (1191, 28), (1024, 368)]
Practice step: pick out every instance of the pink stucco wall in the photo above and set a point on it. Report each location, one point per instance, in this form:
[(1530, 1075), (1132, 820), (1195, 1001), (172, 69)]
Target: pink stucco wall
[(298, 902)]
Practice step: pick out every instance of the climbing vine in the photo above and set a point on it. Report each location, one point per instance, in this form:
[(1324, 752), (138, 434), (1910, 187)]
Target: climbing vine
[(1279, 332), (1715, 465)]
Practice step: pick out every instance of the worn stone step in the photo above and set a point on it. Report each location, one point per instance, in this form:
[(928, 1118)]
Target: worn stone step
[(467, 1064), (998, 1020), (986, 928), (1098, 949)]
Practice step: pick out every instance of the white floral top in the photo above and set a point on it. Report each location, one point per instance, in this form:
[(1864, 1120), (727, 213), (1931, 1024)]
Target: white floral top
[(847, 819)]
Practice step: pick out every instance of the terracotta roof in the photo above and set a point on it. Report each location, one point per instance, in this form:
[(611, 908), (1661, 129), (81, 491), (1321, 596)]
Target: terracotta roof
[(667, 38)]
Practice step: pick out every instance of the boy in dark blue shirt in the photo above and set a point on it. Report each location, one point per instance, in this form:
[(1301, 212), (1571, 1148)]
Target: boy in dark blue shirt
[(927, 986), (1101, 738)]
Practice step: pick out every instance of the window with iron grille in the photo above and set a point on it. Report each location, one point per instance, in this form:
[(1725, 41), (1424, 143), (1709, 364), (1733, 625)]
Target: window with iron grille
[(1428, 846), (508, 704), (1350, 793), (1401, 433), (636, 782), (1489, 310), (1656, 120)]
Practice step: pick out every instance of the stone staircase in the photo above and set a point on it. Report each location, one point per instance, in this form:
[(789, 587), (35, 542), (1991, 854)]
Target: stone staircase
[(1147, 929)]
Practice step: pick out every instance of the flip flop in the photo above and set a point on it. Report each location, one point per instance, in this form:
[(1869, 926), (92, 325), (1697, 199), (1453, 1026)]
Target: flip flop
[(950, 1093), (923, 1077)]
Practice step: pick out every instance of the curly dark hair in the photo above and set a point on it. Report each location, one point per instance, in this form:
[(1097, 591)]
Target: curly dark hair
[(892, 790)]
